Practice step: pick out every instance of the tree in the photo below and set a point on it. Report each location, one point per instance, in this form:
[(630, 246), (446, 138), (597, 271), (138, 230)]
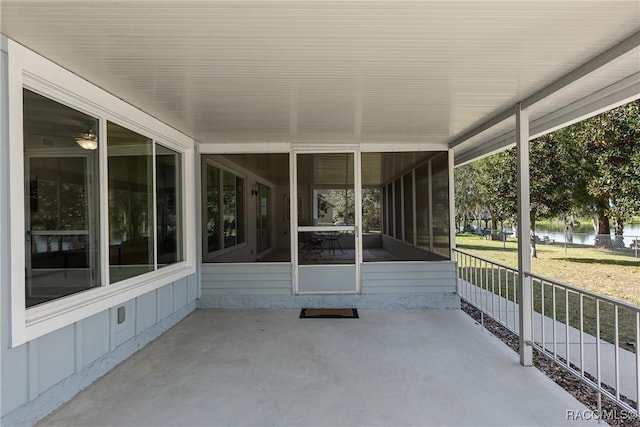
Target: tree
[(497, 185), (371, 208), (607, 152), (468, 202), (550, 192)]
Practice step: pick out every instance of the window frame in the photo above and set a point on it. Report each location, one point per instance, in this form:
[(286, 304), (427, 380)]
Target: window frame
[(28, 70)]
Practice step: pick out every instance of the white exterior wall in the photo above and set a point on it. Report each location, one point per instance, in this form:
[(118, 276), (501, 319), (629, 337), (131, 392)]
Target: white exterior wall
[(38, 376)]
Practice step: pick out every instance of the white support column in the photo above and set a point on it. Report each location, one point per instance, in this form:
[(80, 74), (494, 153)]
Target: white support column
[(524, 227), (200, 214)]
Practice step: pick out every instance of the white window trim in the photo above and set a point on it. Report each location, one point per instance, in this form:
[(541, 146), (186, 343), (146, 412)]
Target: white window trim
[(29, 70)]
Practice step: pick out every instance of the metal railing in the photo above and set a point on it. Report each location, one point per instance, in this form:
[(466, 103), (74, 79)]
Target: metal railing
[(592, 336)]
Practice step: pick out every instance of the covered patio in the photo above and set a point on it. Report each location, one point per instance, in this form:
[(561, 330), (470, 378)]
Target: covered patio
[(154, 154), (268, 367)]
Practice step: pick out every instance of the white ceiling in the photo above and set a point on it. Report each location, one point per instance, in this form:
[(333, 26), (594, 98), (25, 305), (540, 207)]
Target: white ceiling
[(327, 71)]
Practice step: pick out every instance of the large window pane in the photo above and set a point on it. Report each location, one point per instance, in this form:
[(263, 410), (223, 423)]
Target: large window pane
[(169, 206), (61, 199), (131, 250)]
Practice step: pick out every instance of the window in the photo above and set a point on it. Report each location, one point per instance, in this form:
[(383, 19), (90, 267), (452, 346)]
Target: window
[(62, 189), (83, 212), (131, 243), (168, 206), (224, 209), (61, 201)]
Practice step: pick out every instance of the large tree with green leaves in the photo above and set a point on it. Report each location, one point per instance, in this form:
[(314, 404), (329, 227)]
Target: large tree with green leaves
[(550, 189), (592, 168), (496, 183), (468, 202), (605, 152)]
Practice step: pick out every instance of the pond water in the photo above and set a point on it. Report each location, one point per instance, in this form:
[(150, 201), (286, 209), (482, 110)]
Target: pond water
[(584, 234)]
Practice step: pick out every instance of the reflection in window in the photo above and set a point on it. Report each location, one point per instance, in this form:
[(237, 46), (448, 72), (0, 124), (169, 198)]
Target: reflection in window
[(168, 206), (61, 199), (131, 248), (225, 209)]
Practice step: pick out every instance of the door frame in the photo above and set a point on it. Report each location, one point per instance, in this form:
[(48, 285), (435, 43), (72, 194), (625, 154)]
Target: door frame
[(356, 228)]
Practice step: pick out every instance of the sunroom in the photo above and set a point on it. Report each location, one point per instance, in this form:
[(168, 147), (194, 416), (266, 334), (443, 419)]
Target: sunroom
[(158, 157)]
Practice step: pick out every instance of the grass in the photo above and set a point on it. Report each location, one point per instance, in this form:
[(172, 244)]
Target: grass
[(597, 270)]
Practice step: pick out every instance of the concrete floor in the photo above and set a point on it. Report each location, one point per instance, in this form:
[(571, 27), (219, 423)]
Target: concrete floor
[(268, 367)]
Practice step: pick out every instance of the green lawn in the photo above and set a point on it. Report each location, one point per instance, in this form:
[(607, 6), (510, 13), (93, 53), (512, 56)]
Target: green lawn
[(597, 270)]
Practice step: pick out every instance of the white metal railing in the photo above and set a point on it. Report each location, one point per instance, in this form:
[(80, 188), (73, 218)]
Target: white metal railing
[(593, 336)]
